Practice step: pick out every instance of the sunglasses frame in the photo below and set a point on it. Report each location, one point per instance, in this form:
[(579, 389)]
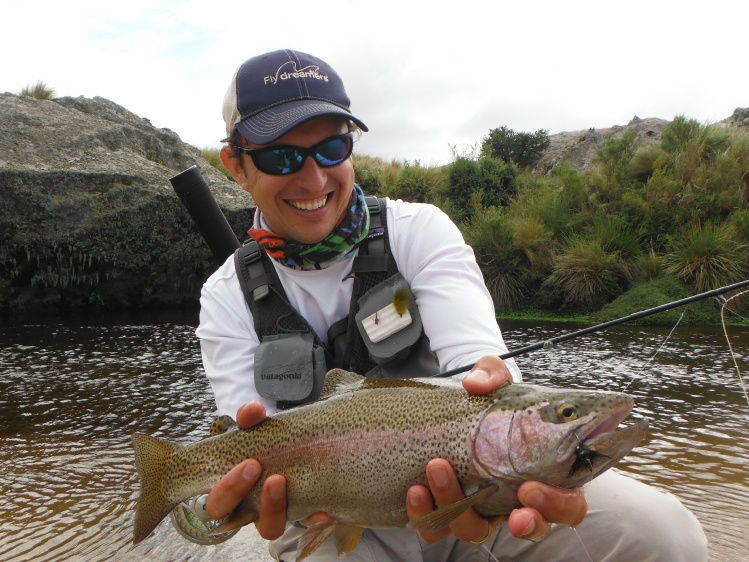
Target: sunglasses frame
[(297, 151)]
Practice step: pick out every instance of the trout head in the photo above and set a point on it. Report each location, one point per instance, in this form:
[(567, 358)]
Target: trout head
[(559, 436)]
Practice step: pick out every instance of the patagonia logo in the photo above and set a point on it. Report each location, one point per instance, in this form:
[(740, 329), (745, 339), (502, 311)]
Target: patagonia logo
[(376, 232), (288, 70), (281, 376)]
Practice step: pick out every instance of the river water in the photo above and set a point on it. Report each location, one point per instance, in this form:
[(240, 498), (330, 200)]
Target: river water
[(72, 393)]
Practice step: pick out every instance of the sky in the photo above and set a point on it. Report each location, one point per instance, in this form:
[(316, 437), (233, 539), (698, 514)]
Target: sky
[(430, 79)]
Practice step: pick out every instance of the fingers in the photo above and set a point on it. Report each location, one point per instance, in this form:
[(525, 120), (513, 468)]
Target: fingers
[(446, 489), (419, 502), (315, 518), (237, 483), (250, 414), (528, 524), (272, 521), (229, 491), (488, 374), (556, 505), (545, 504)]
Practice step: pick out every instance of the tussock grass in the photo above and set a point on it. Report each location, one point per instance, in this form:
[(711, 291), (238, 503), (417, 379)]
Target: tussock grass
[(586, 274), (707, 257), (212, 157), (40, 91)]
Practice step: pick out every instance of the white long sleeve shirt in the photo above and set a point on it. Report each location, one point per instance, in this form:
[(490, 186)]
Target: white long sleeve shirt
[(455, 307)]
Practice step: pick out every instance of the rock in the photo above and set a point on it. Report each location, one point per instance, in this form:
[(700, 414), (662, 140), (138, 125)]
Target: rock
[(740, 117), (580, 148), (88, 218)]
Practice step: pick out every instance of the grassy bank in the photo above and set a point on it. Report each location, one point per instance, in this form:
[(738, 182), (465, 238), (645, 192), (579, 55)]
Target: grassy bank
[(649, 223)]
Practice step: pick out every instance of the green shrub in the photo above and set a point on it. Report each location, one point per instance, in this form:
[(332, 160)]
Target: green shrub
[(491, 234), (650, 264), (533, 239), (707, 257), (615, 237), (552, 207), (413, 183), (613, 168), (574, 186), (40, 91), (374, 175), (586, 274), (740, 222), (690, 145), (495, 181), (524, 149), (643, 162)]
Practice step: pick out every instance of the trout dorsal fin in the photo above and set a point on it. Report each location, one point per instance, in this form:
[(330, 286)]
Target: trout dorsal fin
[(221, 425), (443, 516), (335, 379)]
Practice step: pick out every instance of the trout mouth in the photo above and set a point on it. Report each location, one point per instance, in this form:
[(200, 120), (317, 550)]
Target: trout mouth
[(602, 445)]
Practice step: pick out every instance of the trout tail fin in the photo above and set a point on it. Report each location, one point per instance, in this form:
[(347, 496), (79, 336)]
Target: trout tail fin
[(151, 459)]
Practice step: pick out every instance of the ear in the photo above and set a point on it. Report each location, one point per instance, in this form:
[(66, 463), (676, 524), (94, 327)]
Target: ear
[(234, 165)]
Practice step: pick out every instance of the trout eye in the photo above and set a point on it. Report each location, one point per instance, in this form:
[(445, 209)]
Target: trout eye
[(567, 412)]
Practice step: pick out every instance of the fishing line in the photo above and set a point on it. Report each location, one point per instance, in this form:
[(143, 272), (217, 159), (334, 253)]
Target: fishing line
[(736, 314), (657, 351), (730, 347), (605, 325), (579, 538), (489, 552)]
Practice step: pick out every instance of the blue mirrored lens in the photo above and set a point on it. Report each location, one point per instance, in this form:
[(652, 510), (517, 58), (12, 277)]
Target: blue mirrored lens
[(284, 160), (333, 152), (279, 161)]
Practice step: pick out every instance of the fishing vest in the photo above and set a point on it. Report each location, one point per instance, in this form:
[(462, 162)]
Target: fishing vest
[(291, 360)]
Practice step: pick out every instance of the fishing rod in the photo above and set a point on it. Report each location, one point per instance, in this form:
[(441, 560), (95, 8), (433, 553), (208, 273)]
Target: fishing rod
[(603, 326), (197, 198)]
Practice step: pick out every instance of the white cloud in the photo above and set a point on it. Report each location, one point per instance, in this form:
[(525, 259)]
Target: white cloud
[(422, 75)]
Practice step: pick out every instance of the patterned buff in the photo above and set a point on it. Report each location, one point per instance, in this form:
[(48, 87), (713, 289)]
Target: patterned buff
[(351, 230)]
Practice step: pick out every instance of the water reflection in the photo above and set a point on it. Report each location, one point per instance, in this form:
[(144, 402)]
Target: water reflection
[(70, 396)]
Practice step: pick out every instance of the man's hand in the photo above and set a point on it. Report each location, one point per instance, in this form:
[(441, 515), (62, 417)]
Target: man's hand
[(237, 483), (543, 504)]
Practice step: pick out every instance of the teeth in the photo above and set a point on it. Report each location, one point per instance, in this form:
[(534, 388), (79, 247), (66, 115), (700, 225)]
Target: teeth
[(309, 205)]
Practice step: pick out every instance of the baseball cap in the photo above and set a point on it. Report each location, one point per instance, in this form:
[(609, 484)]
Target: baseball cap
[(272, 93)]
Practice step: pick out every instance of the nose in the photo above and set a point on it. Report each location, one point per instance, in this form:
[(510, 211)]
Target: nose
[(312, 175)]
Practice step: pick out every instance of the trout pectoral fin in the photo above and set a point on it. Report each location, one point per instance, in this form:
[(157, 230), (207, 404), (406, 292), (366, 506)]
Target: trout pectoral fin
[(244, 514), (443, 516), (313, 537), (346, 538)]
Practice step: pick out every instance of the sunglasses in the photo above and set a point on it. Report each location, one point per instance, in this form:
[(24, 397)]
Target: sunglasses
[(283, 160)]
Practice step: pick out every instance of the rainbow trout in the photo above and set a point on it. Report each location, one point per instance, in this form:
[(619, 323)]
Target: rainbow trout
[(355, 452)]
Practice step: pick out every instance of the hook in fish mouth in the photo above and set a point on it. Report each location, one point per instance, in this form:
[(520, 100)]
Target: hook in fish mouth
[(616, 443), (584, 457)]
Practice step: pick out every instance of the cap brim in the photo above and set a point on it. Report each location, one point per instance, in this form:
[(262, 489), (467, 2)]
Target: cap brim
[(269, 125)]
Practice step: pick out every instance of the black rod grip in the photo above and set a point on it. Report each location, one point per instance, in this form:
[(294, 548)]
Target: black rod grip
[(197, 198)]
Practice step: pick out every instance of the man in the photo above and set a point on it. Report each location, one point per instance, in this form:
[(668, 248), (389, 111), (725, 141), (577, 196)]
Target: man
[(289, 125)]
